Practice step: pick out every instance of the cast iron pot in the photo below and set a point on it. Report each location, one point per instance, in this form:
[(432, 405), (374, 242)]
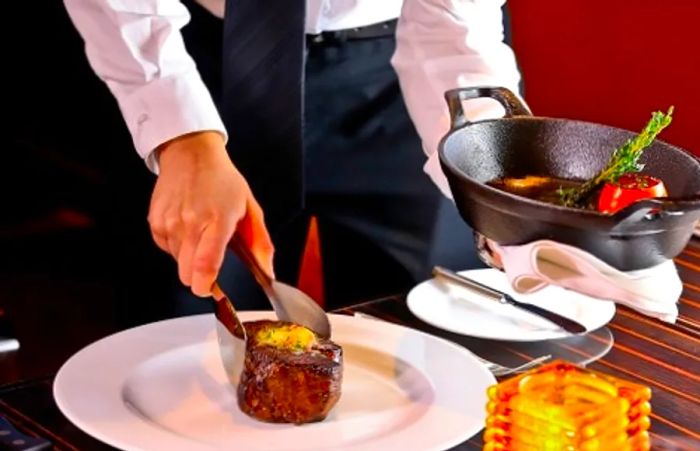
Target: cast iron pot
[(642, 235)]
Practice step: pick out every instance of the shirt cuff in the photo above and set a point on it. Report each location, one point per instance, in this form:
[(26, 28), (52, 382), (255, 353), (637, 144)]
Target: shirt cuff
[(166, 108)]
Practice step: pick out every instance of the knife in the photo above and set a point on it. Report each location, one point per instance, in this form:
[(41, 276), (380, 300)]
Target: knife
[(565, 323), (13, 440)]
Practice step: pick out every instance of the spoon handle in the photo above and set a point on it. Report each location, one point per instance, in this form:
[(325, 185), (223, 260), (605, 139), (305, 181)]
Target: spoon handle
[(244, 253)]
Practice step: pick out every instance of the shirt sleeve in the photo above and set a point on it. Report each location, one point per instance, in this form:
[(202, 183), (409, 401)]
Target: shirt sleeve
[(136, 48), (442, 45)]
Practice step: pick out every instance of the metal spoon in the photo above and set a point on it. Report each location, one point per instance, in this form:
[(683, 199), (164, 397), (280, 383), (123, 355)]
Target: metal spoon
[(231, 335), (290, 304)]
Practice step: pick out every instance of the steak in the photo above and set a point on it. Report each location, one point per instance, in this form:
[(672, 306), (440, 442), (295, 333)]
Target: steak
[(289, 375)]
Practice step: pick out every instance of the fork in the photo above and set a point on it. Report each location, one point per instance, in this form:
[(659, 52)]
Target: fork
[(499, 370), (496, 369)]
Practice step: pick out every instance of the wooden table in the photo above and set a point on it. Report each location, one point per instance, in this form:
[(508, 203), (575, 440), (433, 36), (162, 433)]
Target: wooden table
[(662, 356)]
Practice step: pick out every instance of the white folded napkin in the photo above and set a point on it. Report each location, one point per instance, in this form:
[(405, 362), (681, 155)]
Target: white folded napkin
[(531, 267)]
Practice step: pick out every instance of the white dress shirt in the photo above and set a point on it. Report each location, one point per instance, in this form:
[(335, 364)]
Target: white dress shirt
[(136, 48), (329, 15)]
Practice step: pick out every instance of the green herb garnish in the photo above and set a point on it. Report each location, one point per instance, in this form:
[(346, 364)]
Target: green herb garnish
[(623, 160)]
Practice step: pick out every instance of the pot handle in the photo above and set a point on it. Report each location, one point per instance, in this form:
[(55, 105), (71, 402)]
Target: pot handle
[(454, 97), (651, 209)]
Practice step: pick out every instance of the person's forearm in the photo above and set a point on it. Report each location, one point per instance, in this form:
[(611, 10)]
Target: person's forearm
[(136, 48), (442, 45)]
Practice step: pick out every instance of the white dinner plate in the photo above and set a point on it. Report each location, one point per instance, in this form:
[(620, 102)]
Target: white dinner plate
[(465, 312), (162, 387)]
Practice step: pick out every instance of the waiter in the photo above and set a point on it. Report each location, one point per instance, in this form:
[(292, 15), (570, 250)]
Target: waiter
[(311, 121)]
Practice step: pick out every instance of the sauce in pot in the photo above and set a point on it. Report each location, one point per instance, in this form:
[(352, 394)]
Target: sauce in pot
[(542, 188)]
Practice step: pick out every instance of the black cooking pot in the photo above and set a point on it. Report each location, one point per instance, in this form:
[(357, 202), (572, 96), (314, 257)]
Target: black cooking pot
[(642, 235)]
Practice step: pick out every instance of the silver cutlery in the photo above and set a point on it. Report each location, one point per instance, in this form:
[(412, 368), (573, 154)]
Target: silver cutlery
[(231, 335), (501, 370), (289, 303), (12, 439), (563, 322)]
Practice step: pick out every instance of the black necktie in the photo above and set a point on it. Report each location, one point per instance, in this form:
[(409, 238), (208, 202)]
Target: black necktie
[(263, 54)]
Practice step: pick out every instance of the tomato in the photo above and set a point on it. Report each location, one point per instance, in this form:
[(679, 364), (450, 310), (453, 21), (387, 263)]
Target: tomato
[(629, 188)]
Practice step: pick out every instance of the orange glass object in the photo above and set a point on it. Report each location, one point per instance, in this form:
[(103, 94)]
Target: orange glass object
[(561, 406)]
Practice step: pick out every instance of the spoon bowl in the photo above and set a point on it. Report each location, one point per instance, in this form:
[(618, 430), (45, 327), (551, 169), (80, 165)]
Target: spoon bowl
[(289, 303)]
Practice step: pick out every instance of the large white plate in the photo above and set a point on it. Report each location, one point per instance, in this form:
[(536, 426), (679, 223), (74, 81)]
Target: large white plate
[(464, 312), (162, 387)]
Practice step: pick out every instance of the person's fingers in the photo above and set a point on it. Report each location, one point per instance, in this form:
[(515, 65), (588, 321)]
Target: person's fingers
[(254, 233), (159, 236), (209, 255), (193, 226), (157, 225), (173, 231), (197, 200)]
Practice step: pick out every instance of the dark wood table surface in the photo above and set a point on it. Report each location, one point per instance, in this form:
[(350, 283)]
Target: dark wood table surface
[(662, 356)]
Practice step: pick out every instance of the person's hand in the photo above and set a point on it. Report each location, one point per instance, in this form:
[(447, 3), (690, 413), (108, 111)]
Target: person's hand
[(199, 201)]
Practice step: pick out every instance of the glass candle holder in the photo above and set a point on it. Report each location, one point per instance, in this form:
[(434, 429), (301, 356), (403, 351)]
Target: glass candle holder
[(561, 406)]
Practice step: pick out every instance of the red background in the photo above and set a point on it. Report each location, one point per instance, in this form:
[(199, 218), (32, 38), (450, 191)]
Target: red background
[(612, 61)]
